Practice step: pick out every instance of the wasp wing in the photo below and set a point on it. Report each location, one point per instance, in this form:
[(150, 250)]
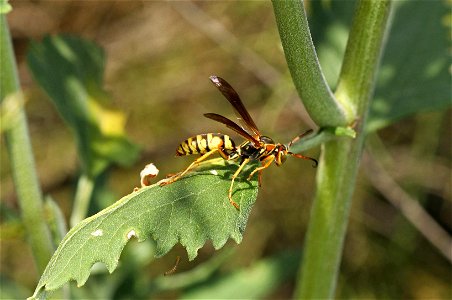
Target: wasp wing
[(230, 124), (231, 95)]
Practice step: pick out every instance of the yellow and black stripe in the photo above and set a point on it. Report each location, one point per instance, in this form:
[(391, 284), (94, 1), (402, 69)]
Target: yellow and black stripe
[(203, 143)]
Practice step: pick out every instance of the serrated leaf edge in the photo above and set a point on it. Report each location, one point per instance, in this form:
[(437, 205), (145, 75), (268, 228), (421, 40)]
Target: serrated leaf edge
[(81, 280)]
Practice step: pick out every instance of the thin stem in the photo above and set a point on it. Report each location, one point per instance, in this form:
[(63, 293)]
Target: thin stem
[(339, 161), (21, 158), (409, 207), (85, 188), (324, 135)]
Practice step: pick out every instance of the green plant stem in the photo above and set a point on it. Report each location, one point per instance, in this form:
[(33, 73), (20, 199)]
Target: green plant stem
[(304, 66), (339, 161), (85, 188), (324, 135), (21, 159)]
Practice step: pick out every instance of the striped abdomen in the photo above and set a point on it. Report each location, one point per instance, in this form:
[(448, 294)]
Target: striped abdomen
[(203, 143)]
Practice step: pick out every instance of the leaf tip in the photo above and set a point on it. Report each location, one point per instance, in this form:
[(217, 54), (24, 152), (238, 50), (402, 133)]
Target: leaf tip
[(192, 253)]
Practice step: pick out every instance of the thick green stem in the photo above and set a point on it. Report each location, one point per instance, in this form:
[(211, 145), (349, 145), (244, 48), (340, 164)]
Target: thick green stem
[(304, 66), (339, 161), (21, 158)]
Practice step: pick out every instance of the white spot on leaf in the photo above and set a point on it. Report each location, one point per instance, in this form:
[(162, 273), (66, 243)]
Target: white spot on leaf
[(130, 234), (98, 232), (214, 172)]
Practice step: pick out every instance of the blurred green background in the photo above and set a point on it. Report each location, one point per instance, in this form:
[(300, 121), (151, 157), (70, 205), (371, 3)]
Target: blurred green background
[(159, 56)]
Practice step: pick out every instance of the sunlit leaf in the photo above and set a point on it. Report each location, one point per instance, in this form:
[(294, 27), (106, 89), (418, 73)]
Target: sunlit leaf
[(413, 76), (5, 7), (71, 70), (190, 211)]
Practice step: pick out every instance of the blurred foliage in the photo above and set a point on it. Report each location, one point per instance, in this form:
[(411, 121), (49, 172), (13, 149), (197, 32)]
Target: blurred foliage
[(414, 74), (71, 70), (5, 7), (157, 71), (255, 282)]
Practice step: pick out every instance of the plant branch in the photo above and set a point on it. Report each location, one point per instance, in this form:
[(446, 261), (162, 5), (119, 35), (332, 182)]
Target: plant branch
[(409, 207), (304, 66), (324, 135), (85, 188), (21, 158), (339, 161)]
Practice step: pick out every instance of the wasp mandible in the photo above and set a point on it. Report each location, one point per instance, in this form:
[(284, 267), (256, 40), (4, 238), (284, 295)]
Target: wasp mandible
[(256, 146)]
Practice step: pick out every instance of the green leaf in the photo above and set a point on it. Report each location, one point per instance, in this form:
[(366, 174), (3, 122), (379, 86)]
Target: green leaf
[(413, 75), (71, 70), (330, 24), (255, 282), (190, 211), (5, 7)]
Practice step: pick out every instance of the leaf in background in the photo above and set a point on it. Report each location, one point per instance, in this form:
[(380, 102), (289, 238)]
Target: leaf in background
[(12, 289), (413, 76), (70, 70), (255, 282), (329, 23), (190, 211)]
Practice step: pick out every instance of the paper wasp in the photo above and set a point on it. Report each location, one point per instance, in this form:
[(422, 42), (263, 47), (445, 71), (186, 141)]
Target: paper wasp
[(256, 146)]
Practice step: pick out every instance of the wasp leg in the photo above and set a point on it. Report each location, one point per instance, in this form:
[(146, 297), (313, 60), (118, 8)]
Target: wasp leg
[(259, 178), (222, 154), (245, 161), (197, 161), (265, 164)]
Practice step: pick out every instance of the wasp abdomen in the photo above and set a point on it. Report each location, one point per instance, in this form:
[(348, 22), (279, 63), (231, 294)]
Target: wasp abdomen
[(203, 143)]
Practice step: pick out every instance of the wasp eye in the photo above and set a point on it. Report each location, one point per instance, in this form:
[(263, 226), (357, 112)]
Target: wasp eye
[(266, 140), (281, 157)]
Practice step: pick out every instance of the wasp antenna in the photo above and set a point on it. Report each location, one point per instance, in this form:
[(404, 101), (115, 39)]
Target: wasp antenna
[(299, 137), (316, 163)]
